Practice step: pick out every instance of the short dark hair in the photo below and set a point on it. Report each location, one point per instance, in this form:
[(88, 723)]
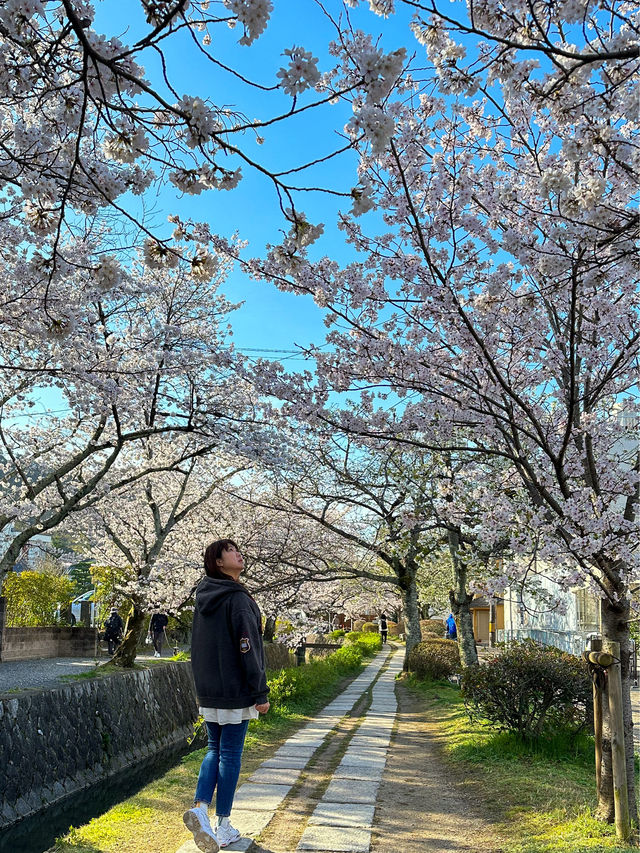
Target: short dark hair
[(212, 554)]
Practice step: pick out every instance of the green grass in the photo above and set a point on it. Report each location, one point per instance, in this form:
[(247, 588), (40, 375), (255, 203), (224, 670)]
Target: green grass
[(104, 669), (152, 818), (541, 795)]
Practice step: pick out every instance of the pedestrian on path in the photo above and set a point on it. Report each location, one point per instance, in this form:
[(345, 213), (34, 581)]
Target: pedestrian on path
[(227, 658), (113, 628), (383, 627), (452, 631), (157, 626)]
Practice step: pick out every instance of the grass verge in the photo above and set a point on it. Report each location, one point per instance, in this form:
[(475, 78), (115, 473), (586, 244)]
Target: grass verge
[(540, 796), (152, 818)]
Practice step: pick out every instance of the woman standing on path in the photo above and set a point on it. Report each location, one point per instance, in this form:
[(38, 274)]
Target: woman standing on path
[(227, 659)]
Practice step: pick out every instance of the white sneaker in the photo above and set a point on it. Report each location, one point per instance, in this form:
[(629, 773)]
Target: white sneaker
[(197, 821), (225, 833), (157, 654)]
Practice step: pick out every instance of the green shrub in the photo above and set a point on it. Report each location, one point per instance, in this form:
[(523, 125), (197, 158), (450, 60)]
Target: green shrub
[(392, 628), (295, 684), (34, 597), (357, 625), (434, 659), (531, 690), (337, 634), (368, 644), (369, 627), (435, 627)]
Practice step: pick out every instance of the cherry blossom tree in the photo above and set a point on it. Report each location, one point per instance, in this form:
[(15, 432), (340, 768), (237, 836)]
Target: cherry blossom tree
[(370, 502), (153, 532), (90, 124), (149, 359), (500, 304)]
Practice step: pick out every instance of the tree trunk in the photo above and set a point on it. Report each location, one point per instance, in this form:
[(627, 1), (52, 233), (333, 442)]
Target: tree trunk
[(269, 629), (411, 613), (460, 600), (125, 654), (615, 627)]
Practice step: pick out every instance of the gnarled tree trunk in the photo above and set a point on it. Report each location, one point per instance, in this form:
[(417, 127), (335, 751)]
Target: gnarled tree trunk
[(411, 611), (615, 627), (125, 654), (460, 600)]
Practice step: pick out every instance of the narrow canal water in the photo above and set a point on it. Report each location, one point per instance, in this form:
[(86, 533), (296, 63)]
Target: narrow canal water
[(37, 834)]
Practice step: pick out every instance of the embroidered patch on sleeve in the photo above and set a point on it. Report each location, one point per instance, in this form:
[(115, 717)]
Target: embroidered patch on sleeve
[(245, 645)]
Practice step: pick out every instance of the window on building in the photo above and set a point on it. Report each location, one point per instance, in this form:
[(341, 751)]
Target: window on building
[(588, 610)]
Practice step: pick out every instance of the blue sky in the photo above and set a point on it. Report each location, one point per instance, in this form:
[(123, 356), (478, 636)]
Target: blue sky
[(269, 319)]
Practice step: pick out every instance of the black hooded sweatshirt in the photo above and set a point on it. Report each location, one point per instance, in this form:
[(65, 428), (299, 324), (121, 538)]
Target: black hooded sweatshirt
[(227, 655)]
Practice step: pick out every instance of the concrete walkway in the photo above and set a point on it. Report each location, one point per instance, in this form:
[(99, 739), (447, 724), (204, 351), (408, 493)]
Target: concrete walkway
[(343, 818)]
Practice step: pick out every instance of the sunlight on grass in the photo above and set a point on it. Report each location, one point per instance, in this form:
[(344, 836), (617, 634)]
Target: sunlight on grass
[(542, 792), (152, 818)]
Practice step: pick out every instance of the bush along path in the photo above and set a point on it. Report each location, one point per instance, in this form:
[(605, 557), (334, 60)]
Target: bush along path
[(318, 791)]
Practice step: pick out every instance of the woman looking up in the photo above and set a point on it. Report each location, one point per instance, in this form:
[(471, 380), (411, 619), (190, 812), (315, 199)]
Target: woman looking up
[(227, 658)]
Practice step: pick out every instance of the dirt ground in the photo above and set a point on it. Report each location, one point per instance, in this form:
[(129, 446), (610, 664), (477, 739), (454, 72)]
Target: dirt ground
[(422, 807)]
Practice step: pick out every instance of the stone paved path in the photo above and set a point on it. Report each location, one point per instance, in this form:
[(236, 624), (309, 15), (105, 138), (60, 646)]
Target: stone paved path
[(342, 820)]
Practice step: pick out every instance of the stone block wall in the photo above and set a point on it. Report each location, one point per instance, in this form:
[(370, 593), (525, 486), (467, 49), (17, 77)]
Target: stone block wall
[(56, 742), (278, 656), (30, 643)]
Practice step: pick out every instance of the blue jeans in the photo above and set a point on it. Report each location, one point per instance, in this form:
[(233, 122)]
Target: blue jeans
[(221, 765)]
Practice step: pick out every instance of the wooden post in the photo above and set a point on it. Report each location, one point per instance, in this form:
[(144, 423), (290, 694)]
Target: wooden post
[(3, 619), (620, 792), (596, 646)]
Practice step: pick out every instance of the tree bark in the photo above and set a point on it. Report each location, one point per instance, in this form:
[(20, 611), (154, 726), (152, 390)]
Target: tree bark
[(411, 612), (269, 629), (460, 600), (125, 654), (615, 627)]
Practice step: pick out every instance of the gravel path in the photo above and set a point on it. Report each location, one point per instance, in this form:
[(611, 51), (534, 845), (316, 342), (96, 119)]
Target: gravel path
[(45, 672)]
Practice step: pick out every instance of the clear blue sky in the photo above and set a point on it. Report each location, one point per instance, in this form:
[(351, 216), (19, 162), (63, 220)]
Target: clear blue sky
[(268, 319)]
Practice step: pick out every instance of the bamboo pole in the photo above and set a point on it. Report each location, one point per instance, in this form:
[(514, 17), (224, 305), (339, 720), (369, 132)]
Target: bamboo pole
[(620, 792)]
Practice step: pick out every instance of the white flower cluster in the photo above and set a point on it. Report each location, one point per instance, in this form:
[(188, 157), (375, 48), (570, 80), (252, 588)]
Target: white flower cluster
[(379, 70), (202, 120), (573, 11), (252, 14), (40, 215), (204, 266), (302, 72), (377, 126), (194, 181), (108, 273), (362, 197), (157, 256), (126, 145)]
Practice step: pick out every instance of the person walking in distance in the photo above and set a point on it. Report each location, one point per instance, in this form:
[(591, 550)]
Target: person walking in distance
[(383, 627), (113, 628), (157, 626), (227, 658)]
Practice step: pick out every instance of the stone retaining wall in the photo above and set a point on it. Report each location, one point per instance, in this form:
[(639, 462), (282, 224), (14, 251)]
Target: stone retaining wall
[(56, 742), (30, 643)]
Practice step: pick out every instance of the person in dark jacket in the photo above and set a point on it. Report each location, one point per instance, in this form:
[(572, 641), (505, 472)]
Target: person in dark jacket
[(227, 658), (384, 628), (113, 628), (157, 625)]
